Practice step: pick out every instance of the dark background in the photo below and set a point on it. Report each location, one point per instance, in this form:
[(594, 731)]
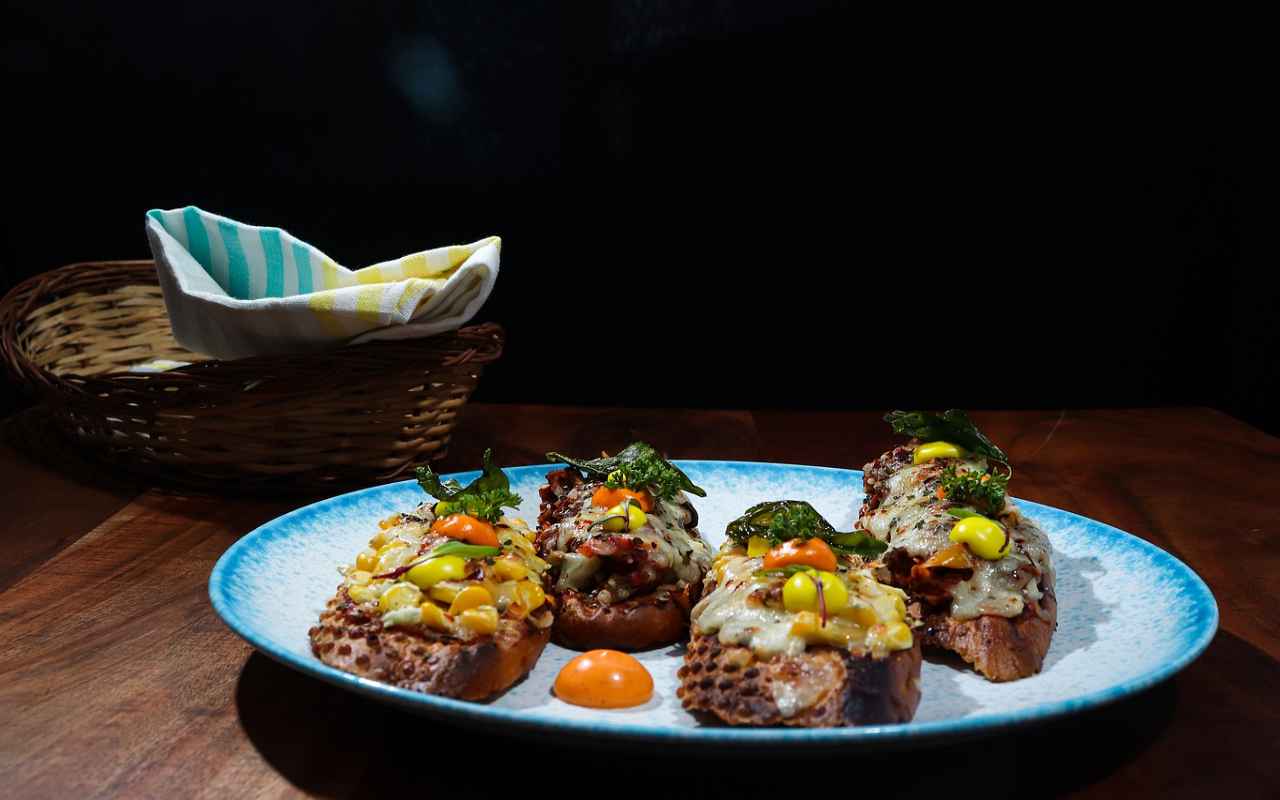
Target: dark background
[(702, 204)]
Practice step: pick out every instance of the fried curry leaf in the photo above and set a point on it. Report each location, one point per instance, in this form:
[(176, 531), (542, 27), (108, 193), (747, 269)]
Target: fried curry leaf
[(952, 425), (780, 521), (483, 498), (637, 466)]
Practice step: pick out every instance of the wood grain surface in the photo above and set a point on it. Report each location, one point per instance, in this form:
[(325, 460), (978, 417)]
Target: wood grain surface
[(117, 679)]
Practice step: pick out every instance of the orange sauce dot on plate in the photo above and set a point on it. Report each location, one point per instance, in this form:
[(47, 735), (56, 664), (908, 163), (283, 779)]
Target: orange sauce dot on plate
[(604, 679)]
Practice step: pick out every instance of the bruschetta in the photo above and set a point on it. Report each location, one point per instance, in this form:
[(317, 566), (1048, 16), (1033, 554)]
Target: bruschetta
[(977, 569), (626, 562), (794, 628), (447, 599)]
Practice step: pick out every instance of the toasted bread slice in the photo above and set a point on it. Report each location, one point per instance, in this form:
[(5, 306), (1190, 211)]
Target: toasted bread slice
[(1000, 648), (638, 585), (641, 623), (354, 640), (836, 687)]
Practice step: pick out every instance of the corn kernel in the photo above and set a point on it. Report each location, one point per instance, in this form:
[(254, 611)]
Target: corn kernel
[(389, 522), (359, 577), (509, 568), (482, 619), (433, 616), (444, 592), (861, 613), (530, 595), (889, 608), (897, 636), (470, 597), (364, 594), (399, 596), (806, 623), (366, 560)]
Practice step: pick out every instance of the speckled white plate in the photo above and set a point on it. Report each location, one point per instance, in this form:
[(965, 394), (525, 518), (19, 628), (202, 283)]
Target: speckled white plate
[(1129, 616)]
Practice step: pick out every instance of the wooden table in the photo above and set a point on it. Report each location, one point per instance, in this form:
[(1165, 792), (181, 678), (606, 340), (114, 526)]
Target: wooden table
[(116, 677)]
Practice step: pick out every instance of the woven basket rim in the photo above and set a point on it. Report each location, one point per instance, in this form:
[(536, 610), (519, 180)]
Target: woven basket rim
[(484, 341)]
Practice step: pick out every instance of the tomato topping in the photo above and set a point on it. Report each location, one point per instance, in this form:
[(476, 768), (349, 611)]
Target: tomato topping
[(813, 553), (608, 498), (466, 528)]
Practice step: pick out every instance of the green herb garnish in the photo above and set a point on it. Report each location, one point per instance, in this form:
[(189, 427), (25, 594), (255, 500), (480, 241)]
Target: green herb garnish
[(787, 571), (637, 466), (781, 521), (859, 543), (453, 547), (483, 498), (983, 490), (952, 425)]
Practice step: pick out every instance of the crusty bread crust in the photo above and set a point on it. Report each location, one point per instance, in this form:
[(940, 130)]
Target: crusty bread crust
[(641, 623), (1001, 648), (355, 642), (730, 683)]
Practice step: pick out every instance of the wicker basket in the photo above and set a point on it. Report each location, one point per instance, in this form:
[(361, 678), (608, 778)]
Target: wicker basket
[(354, 415)]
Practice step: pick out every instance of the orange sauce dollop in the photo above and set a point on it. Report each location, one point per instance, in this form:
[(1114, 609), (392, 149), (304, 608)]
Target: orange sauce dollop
[(604, 679)]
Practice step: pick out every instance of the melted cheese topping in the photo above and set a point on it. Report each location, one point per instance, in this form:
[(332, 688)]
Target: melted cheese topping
[(911, 518), (733, 606), (670, 545)]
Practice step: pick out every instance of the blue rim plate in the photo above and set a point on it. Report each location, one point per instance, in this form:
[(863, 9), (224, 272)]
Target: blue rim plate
[(1129, 616)]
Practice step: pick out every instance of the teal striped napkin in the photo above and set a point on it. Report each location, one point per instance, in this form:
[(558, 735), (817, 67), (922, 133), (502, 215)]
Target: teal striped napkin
[(234, 290)]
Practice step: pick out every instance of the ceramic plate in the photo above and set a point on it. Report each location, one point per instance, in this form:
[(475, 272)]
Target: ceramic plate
[(1129, 616)]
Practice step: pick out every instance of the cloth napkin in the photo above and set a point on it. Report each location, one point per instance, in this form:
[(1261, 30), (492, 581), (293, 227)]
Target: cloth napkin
[(234, 290)]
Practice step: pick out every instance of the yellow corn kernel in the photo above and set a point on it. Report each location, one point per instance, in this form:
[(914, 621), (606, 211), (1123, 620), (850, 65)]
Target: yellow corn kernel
[(366, 593), (530, 595), (757, 546), (445, 592), (931, 450), (389, 522), (435, 570), (805, 624), (366, 560), (893, 636), (359, 577), (482, 619), (985, 538), (897, 636), (615, 522), (889, 608), (433, 616), (378, 540), (860, 613), (509, 568), (840, 633), (470, 597), (399, 595)]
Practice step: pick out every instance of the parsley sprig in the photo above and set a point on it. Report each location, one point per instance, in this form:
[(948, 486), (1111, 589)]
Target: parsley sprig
[(637, 466), (483, 498), (983, 490)]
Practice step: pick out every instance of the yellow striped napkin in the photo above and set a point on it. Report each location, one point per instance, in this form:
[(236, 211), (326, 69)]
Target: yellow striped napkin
[(234, 290)]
